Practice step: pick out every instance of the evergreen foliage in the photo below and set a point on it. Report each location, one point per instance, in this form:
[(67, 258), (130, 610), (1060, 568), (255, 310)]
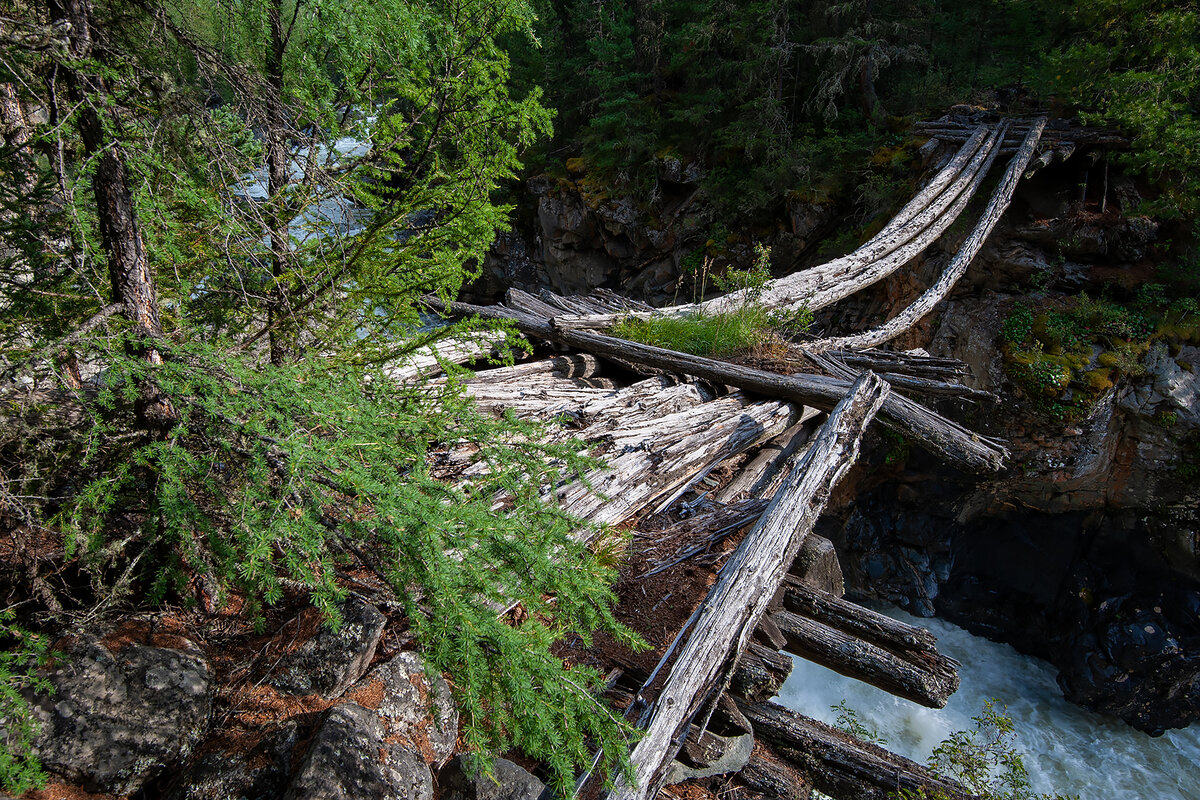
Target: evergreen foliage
[(1136, 64), (172, 462), (23, 652)]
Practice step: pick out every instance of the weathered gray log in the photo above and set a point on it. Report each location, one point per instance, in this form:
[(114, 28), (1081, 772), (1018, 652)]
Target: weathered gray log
[(649, 461), (903, 382), (427, 361), (939, 435), (838, 764), (721, 627), (957, 267), (952, 134), (820, 286), (581, 365), (902, 363), (753, 479), (930, 685)]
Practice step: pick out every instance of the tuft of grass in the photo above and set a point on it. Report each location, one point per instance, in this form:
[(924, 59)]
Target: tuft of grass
[(711, 336)]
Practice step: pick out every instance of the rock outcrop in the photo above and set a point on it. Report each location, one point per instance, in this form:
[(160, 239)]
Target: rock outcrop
[(118, 718)]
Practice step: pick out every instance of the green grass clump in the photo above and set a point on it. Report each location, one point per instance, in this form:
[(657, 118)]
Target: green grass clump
[(699, 334), (717, 335)]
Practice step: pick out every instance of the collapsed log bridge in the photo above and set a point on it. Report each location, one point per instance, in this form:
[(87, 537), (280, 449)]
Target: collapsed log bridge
[(662, 437)]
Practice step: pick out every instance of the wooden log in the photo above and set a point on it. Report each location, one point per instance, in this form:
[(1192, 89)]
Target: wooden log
[(650, 461), (902, 363), (937, 434), (909, 233), (754, 478), (427, 361), (910, 316), (760, 673), (721, 627), (800, 597), (840, 765), (903, 382), (581, 365), (767, 777), (862, 660)]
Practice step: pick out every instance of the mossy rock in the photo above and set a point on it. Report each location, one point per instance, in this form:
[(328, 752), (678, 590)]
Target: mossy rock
[(1098, 381)]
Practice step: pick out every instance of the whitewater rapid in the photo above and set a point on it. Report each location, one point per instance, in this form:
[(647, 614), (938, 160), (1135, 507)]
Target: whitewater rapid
[(1066, 749)]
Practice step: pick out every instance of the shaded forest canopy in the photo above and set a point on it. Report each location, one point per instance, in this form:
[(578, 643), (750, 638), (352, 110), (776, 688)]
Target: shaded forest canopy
[(194, 405)]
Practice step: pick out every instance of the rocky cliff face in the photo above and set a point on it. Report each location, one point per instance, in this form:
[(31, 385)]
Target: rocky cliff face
[(1086, 550)]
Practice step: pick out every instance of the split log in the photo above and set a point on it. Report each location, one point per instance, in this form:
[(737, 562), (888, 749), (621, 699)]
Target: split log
[(721, 627), (903, 382), (929, 685), (939, 435), (910, 316), (753, 479), (649, 461), (427, 361), (902, 363), (839, 764)]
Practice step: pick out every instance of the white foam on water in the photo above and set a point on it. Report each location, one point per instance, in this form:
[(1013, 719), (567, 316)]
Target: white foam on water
[(1066, 749)]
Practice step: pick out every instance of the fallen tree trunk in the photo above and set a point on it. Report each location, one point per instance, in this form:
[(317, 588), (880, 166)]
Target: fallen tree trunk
[(820, 286), (721, 627), (839, 764), (931, 430), (910, 316), (930, 685)]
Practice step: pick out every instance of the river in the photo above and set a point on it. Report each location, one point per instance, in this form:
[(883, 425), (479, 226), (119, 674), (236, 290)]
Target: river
[(1066, 749)]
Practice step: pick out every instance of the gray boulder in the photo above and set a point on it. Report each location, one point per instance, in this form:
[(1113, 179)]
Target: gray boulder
[(329, 662), (458, 781), (349, 760), (412, 711), (116, 720), (252, 772)]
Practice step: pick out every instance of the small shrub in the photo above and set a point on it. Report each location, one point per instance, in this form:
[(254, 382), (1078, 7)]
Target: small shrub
[(984, 760)]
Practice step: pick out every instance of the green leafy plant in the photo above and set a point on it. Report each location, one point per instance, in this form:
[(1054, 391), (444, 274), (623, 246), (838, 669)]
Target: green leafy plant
[(23, 652), (984, 759)]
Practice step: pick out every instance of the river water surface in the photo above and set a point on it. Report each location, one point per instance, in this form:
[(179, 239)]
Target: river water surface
[(1066, 749)]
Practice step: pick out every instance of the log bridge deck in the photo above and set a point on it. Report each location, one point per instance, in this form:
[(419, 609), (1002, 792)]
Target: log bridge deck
[(659, 439)]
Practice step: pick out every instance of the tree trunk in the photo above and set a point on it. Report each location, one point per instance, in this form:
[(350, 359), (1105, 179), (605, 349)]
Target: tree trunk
[(280, 320), (957, 267), (120, 234)]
